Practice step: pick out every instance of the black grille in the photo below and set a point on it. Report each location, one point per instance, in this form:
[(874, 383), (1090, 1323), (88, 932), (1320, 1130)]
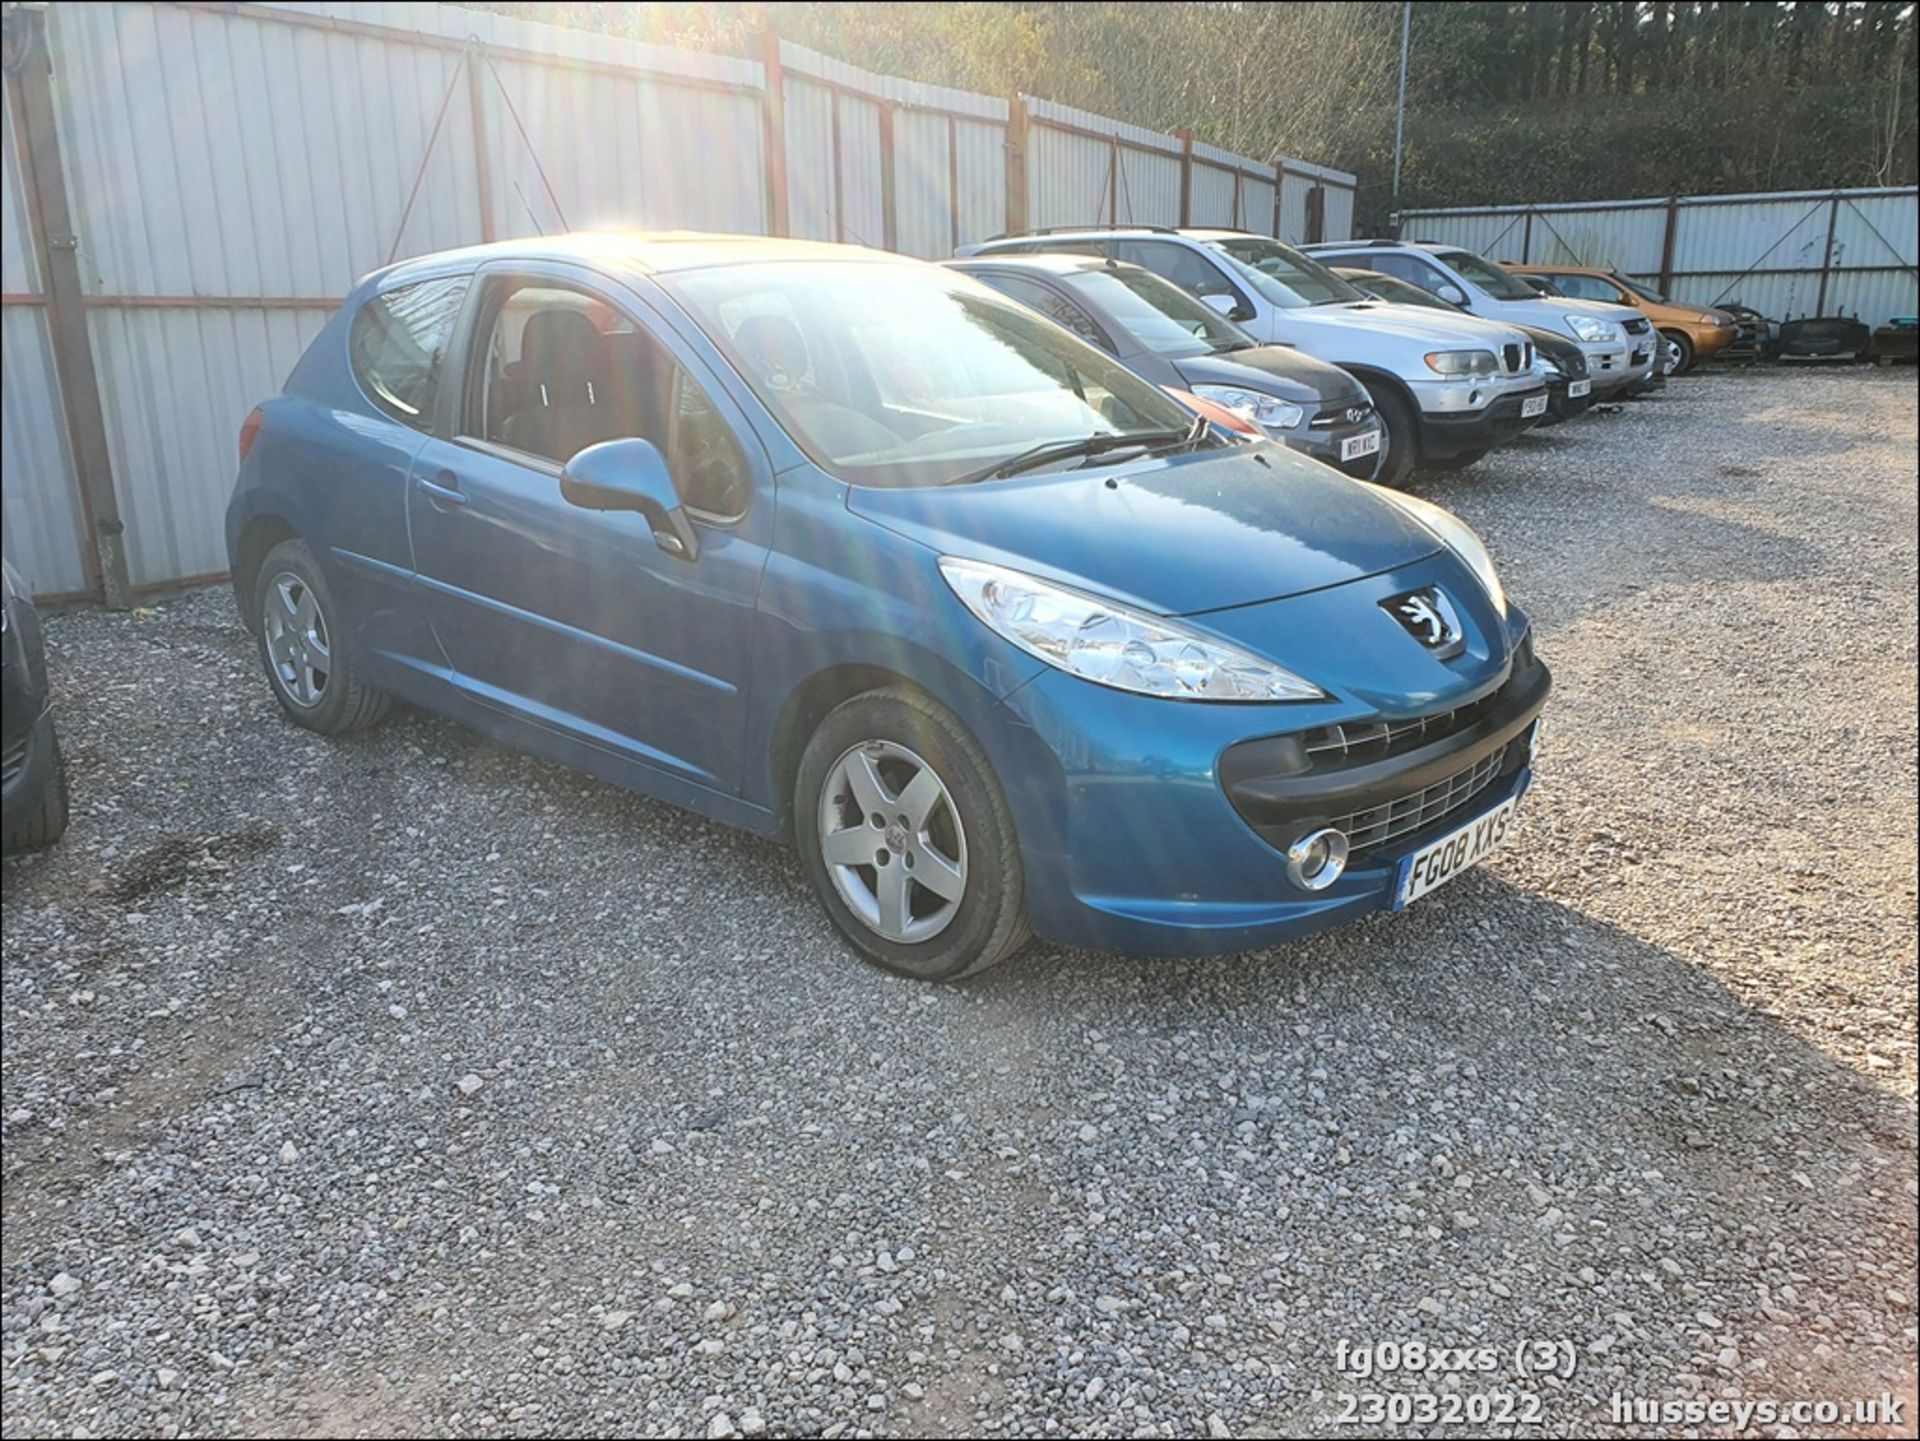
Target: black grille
[(1511, 354), (14, 759), (1385, 824), (1336, 415), (1639, 325), (1347, 742)]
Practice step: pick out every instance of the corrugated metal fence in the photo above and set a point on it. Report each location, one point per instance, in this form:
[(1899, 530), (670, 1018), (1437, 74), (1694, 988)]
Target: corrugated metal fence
[(188, 188), (1785, 253)]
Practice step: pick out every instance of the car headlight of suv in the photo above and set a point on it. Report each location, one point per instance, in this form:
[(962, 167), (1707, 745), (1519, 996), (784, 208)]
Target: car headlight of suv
[(1594, 332), (1458, 537), (1114, 645), (1269, 412), (1463, 362)]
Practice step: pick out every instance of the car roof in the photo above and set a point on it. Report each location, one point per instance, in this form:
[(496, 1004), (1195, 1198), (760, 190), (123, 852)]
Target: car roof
[(645, 252), (1048, 262)]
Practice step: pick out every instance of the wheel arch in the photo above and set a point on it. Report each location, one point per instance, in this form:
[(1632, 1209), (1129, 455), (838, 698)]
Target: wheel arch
[(806, 705), (257, 537)]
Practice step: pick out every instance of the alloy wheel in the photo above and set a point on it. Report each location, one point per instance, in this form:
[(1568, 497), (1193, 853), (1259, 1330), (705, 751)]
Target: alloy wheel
[(299, 650), (892, 841)]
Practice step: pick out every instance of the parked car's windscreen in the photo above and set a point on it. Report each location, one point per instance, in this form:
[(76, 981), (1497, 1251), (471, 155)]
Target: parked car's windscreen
[(1500, 284), (1159, 315), (896, 375), (1284, 275), (1639, 288), (1393, 289)]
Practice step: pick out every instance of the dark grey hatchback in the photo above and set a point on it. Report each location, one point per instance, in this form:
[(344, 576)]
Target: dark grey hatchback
[(1163, 333)]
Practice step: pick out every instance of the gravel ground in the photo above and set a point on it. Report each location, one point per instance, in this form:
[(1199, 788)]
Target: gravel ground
[(408, 1084)]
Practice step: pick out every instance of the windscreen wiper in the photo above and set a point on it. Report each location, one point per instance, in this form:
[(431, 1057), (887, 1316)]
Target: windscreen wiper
[(1088, 445)]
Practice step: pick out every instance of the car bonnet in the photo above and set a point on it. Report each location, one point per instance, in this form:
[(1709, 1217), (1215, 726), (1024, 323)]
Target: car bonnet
[(1174, 535)]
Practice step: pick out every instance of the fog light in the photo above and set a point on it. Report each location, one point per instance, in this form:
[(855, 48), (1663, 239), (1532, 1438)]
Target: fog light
[(1315, 861)]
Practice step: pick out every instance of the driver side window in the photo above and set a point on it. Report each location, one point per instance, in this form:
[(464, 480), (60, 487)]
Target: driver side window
[(1185, 268), (559, 369)]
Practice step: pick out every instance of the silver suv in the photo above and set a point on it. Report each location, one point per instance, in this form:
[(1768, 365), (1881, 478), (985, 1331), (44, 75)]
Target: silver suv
[(1623, 351), (1448, 388)]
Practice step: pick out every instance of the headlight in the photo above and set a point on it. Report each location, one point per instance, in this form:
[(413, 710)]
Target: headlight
[(1115, 645), (1462, 362), (1594, 332), (1458, 537), (1266, 411)]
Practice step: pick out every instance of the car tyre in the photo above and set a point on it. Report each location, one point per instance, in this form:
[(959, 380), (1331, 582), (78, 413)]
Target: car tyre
[(872, 829), (1403, 437), (1683, 347), (308, 659), (40, 827)]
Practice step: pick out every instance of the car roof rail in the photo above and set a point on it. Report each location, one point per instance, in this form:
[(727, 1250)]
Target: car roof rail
[(1092, 228)]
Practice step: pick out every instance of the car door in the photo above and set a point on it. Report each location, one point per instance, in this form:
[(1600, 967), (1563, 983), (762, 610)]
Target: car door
[(576, 620), (355, 468)]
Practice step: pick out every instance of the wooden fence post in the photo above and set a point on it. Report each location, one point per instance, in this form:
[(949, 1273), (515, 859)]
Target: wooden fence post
[(57, 248), (889, 195), (1826, 260), (477, 108), (1186, 176), (1017, 127), (1666, 246), (774, 110)]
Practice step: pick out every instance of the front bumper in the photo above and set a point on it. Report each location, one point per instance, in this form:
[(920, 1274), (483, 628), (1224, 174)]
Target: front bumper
[(1494, 425), (1151, 827), (1562, 406), (1322, 437), (1709, 340)]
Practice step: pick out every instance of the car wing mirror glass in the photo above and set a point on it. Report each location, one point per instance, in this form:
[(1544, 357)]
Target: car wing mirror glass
[(632, 475)]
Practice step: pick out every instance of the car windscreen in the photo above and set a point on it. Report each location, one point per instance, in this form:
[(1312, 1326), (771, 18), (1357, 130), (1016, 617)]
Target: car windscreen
[(1639, 288), (1500, 284), (1396, 291), (906, 375), (1157, 314), (1284, 275)]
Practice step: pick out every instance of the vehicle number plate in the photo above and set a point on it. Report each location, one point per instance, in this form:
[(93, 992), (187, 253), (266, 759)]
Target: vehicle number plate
[(1578, 388), (1432, 866), (1533, 405), (1355, 446)]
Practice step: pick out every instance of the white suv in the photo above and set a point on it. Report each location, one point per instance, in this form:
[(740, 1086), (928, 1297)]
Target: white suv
[(1448, 388), (1622, 349)]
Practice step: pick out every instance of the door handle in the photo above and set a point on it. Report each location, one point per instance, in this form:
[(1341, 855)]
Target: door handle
[(443, 489)]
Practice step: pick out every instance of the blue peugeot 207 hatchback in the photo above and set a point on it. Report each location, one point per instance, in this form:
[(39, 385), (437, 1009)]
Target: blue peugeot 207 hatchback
[(849, 549)]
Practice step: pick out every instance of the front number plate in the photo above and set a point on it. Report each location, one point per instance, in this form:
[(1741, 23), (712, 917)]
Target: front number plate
[(1578, 388), (1355, 446), (1432, 866), (1533, 405)]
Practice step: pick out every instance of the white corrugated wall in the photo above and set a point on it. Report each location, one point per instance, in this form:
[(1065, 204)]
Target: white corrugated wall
[(1766, 251), (232, 173)]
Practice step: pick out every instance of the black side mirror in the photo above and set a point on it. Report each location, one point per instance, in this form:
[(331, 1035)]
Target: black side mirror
[(632, 475)]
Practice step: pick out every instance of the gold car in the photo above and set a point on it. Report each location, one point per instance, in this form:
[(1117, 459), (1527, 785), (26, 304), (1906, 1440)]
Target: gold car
[(1695, 332)]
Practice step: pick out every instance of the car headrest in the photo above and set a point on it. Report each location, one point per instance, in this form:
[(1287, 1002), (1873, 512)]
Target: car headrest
[(775, 349), (563, 351)]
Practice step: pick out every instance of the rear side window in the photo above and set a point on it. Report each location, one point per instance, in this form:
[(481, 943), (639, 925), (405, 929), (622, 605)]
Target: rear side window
[(1056, 307), (397, 344)]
